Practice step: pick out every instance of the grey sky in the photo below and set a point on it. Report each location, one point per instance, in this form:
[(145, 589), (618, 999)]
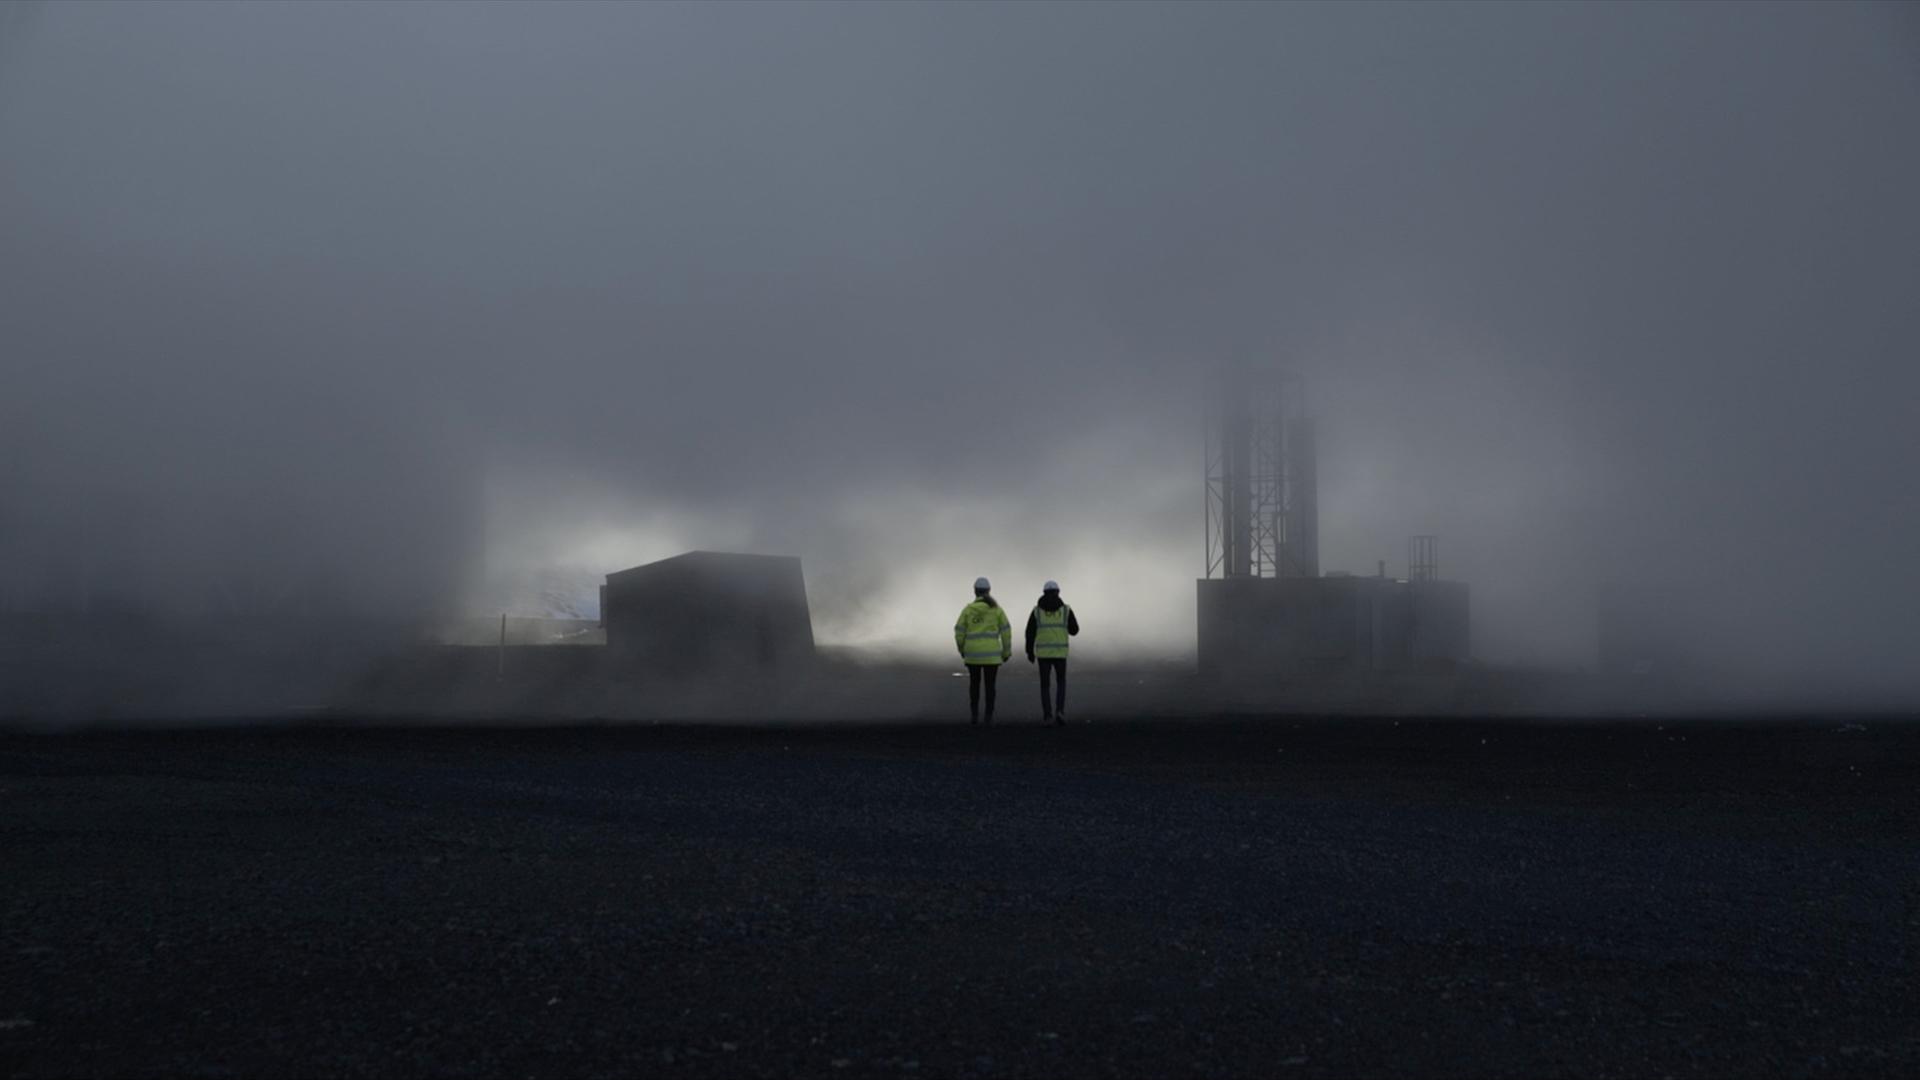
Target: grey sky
[(413, 301)]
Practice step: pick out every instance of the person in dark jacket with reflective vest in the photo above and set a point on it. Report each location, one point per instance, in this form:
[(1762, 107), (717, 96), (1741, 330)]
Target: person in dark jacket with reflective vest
[(1048, 629)]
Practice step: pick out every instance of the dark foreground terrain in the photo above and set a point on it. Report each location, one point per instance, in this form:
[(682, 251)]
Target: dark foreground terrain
[(1273, 898)]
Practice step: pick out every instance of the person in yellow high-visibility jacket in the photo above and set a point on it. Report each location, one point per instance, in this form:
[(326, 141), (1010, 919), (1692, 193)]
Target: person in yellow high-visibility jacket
[(984, 636), (1048, 629)]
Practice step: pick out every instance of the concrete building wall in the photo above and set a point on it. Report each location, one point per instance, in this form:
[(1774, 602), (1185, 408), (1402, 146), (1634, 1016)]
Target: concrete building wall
[(1293, 626), (1442, 627), (709, 612)]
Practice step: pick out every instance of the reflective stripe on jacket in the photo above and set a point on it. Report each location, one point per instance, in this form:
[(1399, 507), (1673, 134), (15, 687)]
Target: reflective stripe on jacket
[(1050, 632), (983, 634)]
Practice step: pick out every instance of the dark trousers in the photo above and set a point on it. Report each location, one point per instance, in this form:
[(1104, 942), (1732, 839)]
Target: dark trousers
[(976, 674), (1052, 668)]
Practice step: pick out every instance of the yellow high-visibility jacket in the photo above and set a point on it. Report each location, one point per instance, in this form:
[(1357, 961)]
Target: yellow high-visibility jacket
[(1050, 632), (983, 634)]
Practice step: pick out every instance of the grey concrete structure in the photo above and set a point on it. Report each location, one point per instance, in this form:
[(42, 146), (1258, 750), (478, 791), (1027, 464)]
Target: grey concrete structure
[(709, 613), (1264, 609), (1285, 627)]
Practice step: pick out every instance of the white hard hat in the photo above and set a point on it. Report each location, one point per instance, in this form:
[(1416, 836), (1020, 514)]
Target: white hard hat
[(1051, 586), (981, 584)]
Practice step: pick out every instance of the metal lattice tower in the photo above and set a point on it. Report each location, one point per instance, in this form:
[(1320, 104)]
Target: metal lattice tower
[(1262, 495), (1423, 558)]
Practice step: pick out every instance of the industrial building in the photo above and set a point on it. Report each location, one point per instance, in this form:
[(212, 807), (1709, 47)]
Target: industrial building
[(1296, 626), (1265, 609), (709, 613)]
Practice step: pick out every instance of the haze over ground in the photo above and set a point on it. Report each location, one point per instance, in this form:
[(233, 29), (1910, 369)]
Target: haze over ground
[(414, 307)]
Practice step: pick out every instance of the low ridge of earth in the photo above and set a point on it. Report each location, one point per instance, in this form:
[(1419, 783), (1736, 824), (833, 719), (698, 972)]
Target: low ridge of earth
[(1280, 897)]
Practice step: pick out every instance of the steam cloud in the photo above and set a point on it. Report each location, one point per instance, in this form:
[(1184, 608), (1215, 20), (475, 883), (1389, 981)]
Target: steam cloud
[(422, 308)]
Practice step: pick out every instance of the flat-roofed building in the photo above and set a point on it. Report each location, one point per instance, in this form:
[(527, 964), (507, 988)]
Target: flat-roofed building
[(709, 612)]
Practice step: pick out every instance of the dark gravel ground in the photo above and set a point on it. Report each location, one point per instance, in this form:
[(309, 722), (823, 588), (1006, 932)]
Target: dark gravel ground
[(1273, 898)]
